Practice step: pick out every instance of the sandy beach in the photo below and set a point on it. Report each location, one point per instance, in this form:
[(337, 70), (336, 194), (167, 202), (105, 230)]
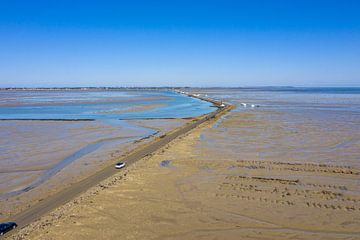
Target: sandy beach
[(212, 183)]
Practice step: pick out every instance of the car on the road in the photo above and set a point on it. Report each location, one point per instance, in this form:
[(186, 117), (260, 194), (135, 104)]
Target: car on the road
[(7, 226), (120, 165)]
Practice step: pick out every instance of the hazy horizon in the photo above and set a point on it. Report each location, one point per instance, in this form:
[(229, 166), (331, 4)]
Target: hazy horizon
[(185, 86)]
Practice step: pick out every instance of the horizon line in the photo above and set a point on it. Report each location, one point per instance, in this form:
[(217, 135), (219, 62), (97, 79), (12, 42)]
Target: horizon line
[(172, 87)]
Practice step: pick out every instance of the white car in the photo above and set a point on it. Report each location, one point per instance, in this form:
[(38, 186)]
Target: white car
[(120, 165)]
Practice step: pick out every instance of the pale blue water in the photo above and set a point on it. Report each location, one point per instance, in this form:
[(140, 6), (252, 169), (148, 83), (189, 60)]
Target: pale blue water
[(110, 107), (97, 105)]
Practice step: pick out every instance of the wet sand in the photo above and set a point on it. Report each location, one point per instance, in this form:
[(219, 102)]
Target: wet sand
[(246, 176), (53, 140), (67, 151), (132, 108)]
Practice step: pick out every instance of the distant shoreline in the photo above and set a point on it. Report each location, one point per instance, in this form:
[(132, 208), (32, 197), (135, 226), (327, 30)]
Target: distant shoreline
[(172, 88), (87, 88)]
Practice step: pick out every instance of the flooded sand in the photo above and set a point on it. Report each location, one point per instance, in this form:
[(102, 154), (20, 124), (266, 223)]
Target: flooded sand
[(98, 104), (73, 151), (66, 136), (254, 174)]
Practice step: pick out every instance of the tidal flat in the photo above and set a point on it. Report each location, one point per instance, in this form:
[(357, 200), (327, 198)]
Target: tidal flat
[(52, 139), (268, 172)]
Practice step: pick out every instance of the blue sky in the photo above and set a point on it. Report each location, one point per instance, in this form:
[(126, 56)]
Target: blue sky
[(179, 43)]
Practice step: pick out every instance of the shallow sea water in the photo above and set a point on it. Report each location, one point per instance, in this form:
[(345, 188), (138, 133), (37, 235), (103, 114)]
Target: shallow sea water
[(319, 125), (98, 105), (35, 151)]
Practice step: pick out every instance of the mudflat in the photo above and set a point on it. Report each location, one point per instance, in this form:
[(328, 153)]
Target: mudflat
[(45, 155), (52, 139), (247, 175)]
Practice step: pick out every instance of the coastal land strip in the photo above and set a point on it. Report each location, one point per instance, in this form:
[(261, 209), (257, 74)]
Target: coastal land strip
[(240, 176), (45, 206)]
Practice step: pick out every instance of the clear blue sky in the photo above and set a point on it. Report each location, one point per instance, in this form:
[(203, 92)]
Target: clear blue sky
[(178, 43)]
